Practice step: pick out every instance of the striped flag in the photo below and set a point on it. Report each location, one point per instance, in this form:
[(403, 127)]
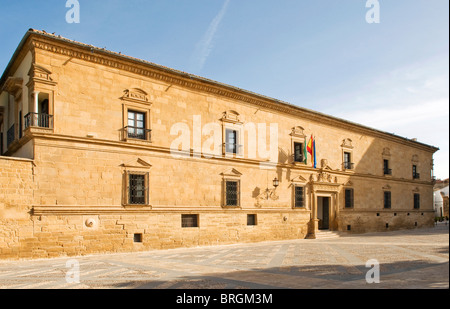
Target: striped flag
[(314, 150)]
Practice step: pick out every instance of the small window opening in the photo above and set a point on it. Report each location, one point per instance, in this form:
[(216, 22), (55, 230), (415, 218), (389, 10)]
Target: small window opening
[(137, 238)]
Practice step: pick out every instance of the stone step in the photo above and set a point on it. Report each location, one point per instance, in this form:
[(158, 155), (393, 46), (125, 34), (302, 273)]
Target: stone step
[(325, 234)]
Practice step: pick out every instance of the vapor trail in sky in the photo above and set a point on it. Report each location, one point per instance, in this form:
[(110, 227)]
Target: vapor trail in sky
[(205, 46)]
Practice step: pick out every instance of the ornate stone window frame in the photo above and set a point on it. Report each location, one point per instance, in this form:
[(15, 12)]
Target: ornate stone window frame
[(41, 83), (136, 167), (300, 181), (231, 121), (235, 176), (297, 136), (386, 155), (136, 100), (347, 147), (415, 162)]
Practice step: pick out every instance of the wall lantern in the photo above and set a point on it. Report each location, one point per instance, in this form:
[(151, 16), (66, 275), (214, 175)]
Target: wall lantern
[(276, 182)]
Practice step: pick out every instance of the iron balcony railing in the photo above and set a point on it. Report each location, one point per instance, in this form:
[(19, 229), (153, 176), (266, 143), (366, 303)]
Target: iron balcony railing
[(388, 171), (10, 135), (137, 133), (348, 165), (416, 176), (39, 120), (231, 148)]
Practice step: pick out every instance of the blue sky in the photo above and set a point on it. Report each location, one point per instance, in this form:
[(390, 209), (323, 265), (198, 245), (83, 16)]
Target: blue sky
[(319, 54)]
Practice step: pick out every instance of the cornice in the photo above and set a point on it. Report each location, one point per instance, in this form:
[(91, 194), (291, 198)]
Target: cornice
[(189, 156), (65, 47)]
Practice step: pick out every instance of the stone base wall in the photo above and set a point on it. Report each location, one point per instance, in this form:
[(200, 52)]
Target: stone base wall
[(16, 196), (49, 236), (382, 221)]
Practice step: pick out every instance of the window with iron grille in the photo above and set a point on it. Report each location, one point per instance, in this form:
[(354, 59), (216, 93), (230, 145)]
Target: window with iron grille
[(137, 189), (416, 201), (232, 193), (348, 198), (299, 196), (387, 199), (189, 221)]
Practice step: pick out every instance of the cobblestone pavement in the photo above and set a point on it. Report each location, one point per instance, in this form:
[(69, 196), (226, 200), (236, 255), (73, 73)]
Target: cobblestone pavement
[(407, 259)]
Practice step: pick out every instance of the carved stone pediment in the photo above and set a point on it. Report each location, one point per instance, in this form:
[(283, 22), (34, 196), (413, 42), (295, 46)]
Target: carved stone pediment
[(231, 172), (298, 132), (138, 163), (136, 95), (347, 143), (323, 177), (386, 152), (348, 184), (231, 116), (299, 179), (39, 74)]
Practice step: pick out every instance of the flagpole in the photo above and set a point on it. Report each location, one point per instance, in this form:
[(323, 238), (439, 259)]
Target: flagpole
[(315, 156)]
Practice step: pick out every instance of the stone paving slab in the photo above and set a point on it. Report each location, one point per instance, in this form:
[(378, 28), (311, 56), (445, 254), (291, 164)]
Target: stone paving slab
[(413, 259)]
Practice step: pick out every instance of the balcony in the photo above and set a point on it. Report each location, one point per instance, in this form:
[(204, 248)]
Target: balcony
[(416, 176), (137, 133), (38, 120), (387, 171), (231, 148), (348, 165)]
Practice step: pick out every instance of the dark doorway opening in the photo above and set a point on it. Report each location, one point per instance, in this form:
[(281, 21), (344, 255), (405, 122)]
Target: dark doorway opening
[(323, 212)]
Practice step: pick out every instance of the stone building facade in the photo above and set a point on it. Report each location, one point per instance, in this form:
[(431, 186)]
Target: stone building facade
[(108, 153)]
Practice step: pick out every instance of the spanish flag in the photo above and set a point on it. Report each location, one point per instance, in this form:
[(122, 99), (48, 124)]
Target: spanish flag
[(310, 146), (312, 150)]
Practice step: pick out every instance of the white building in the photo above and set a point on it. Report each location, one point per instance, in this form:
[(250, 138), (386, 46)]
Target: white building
[(439, 201)]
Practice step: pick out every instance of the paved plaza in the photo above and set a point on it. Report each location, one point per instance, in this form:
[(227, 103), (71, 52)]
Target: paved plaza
[(407, 259)]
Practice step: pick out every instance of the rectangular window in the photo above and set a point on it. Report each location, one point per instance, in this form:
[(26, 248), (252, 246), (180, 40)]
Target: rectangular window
[(348, 165), (348, 198), (136, 125), (298, 152), (387, 199), (231, 142), (20, 125), (299, 197), (137, 238), (416, 201), (387, 170), (232, 193), (416, 175), (251, 220), (189, 221), (137, 191)]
